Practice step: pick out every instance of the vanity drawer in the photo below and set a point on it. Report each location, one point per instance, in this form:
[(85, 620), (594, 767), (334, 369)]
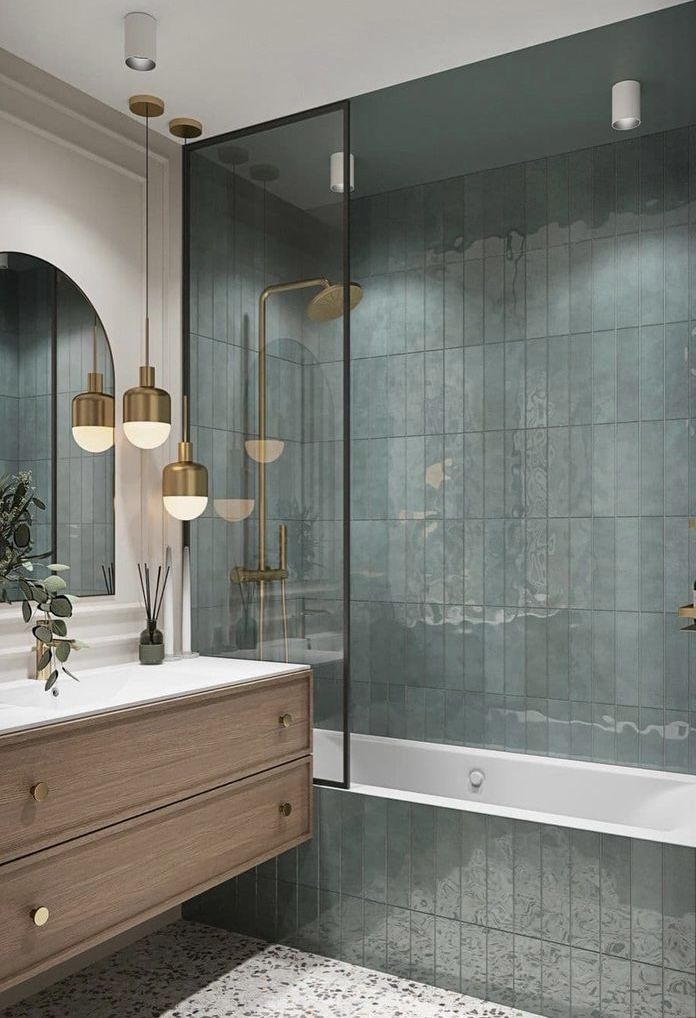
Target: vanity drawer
[(100, 885), (106, 768)]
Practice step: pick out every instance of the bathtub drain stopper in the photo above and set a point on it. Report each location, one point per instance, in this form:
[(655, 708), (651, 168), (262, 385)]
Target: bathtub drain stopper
[(476, 778)]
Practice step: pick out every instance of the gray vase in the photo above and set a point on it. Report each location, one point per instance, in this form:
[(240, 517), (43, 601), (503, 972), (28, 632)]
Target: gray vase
[(151, 646)]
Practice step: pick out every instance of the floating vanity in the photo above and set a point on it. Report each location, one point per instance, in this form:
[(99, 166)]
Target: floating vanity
[(137, 788)]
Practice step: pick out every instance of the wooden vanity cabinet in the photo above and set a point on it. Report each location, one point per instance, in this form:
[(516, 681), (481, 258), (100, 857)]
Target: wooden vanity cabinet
[(107, 820)]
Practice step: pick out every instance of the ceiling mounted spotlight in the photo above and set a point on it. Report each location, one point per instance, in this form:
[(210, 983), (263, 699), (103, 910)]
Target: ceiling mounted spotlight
[(140, 41), (337, 172), (625, 105)]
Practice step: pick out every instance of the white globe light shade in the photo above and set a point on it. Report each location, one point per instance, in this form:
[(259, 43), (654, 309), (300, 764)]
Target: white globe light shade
[(185, 507), (147, 434), (93, 438)]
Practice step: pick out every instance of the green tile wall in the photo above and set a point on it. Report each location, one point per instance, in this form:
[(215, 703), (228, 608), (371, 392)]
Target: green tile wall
[(568, 924), (523, 442)]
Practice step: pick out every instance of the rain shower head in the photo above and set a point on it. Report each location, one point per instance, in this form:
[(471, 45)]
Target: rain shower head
[(327, 305)]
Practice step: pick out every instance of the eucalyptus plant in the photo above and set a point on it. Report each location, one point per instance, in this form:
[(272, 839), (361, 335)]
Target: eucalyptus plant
[(45, 602)]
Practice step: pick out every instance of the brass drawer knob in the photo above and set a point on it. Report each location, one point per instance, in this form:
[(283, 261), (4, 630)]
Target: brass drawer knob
[(285, 720), (40, 915), (39, 791), (285, 809)]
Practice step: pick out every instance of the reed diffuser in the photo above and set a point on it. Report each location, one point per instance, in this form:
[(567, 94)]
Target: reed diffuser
[(151, 639)]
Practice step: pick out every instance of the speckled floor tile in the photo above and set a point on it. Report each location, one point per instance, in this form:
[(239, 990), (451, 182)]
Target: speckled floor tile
[(192, 971)]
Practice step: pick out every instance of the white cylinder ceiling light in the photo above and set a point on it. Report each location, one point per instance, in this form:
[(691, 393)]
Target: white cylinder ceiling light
[(337, 172), (625, 105), (140, 41)]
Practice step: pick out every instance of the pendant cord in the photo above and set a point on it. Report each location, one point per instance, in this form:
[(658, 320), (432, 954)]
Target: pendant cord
[(147, 235), (186, 419), (94, 345)]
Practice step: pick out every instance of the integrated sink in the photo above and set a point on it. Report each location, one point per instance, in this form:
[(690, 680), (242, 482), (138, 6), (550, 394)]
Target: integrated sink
[(25, 703)]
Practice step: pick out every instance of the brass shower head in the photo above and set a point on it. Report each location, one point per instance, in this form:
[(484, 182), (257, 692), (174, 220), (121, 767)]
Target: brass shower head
[(327, 305)]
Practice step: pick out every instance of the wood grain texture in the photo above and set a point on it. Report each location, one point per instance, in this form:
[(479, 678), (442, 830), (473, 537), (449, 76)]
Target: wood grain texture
[(103, 883), (105, 768)]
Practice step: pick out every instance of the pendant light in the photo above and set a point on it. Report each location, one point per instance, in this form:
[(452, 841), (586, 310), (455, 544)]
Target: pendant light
[(147, 410), (185, 483), (93, 410)]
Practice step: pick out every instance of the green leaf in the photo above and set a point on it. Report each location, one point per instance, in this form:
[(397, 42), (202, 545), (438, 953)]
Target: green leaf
[(42, 633), (26, 590), (51, 680), (58, 567), (26, 611), (61, 606), (38, 503), (63, 650), (20, 492), (44, 660), (54, 583), (59, 627), (68, 672), (22, 535)]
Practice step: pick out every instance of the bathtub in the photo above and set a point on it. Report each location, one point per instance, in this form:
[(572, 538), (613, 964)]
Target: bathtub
[(626, 801)]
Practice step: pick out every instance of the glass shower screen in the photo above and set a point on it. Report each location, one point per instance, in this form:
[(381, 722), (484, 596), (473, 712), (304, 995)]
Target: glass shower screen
[(268, 311)]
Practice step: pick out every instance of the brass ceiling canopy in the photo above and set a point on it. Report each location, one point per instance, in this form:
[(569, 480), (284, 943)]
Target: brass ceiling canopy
[(186, 128), (146, 105), (327, 305)]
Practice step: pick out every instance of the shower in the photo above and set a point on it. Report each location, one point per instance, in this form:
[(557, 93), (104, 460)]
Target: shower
[(324, 306)]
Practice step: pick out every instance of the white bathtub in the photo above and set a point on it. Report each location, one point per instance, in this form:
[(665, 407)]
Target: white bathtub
[(628, 801)]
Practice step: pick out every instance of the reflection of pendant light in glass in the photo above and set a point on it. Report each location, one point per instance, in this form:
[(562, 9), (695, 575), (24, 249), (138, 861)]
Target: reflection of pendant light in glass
[(147, 410), (185, 483), (93, 411)]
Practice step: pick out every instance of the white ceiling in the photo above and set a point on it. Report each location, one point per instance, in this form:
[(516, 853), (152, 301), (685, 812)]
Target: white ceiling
[(239, 62)]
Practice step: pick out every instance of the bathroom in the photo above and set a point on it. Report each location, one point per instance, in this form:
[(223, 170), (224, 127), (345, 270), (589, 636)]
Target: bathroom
[(368, 422)]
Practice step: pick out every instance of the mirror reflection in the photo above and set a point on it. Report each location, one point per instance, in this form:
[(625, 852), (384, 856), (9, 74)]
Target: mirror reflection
[(52, 348)]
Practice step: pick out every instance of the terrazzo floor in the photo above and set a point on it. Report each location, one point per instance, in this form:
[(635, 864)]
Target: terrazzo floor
[(188, 970)]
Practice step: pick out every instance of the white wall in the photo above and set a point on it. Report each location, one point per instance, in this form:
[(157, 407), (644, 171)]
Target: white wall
[(72, 192)]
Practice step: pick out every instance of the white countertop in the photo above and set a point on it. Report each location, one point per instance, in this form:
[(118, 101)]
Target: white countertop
[(25, 704)]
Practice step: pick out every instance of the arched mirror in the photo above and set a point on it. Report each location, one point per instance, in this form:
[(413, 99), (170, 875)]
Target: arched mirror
[(52, 348)]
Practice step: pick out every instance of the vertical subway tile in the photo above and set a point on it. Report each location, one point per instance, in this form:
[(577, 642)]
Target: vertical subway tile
[(500, 963), (616, 987), (584, 889), (646, 990), (555, 980), (422, 948), (679, 903), (448, 863), (527, 973), (474, 960), (584, 983), (448, 953), (499, 859), (615, 896), (646, 902)]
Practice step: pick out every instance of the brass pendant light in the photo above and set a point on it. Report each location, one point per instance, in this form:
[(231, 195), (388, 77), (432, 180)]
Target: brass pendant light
[(93, 410), (147, 410), (185, 483)]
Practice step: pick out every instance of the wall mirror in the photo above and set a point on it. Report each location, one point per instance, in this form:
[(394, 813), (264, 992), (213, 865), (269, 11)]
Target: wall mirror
[(51, 339)]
